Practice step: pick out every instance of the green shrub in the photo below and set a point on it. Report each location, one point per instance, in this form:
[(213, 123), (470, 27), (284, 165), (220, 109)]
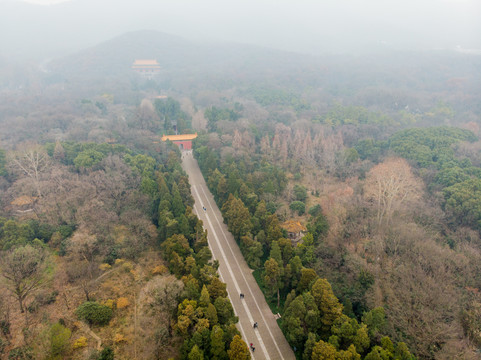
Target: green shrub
[(94, 313), (21, 353), (5, 327), (298, 206), (106, 354), (59, 340), (300, 192), (315, 210), (66, 230), (3, 345), (271, 207)]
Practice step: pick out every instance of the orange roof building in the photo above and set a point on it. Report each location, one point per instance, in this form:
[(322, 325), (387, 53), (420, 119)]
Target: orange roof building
[(295, 230), (23, 200), (24, 204), (183, 141)]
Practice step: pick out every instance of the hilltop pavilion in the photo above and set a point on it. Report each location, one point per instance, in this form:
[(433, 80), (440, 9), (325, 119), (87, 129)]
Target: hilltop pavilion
[(146, 67)]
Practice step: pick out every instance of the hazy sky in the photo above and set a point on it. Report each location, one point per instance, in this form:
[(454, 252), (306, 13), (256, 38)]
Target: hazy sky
[(310, 26)]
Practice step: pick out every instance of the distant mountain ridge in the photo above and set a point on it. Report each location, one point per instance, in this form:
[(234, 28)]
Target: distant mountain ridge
[(115, 56)]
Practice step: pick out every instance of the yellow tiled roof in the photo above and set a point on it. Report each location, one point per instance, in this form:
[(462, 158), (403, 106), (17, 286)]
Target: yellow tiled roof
[(179, 137), (293, 226), (23, 200)]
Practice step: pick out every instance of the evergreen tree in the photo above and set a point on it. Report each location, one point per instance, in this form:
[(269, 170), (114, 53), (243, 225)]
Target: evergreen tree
[(307, 277), (312, 318), (204, 299), (238, 217), (375, 320), (183, 226), (292, 324), (252, 251), (378, 353), (273, 230), (225, 312), (272, 277), (196, 354), (211, 314), (261, 213), (276, 253), (328, 304), (323, 351), (222, 190), (238, 349), (296, 267), (309, 346), (178, 207), (217, 345), (361, 340), (164, 192), (402, 352), (349, 354)]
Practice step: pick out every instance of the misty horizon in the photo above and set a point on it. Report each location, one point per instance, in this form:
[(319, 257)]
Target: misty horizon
[(34, 31)]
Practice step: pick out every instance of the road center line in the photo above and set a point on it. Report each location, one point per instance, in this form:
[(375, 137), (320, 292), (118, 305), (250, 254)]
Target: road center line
[(229, 269), (222, 279), (242, 273)]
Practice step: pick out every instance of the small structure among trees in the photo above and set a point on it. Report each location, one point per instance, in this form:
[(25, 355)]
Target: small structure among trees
[(24, 204), (295, 230)]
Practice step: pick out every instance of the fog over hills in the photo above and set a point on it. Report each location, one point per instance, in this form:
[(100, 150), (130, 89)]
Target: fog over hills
[(115, 56), (340, 27), (179, 57)]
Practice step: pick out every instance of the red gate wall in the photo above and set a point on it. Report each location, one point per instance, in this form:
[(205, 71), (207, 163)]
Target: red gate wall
[(186, 144)]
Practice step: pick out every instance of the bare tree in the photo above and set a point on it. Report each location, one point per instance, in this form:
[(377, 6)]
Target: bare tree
[(24, 271), (83, 274), (159, 299), (29, 160), (147, 115), (83, 247), (391, 184), (82, 250)]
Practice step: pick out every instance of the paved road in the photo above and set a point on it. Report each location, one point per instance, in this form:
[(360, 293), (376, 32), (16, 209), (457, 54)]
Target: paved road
[(268, 340)]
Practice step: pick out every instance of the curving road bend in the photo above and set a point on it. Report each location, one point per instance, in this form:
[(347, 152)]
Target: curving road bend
[(268, 339)]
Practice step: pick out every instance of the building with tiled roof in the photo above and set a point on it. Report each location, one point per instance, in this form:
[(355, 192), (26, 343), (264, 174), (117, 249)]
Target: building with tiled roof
[(24, 204), (183, 141), (295, 230), (146, 67)]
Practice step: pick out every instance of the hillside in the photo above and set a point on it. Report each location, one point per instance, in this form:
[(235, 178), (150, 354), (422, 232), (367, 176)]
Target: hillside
[(388, 81), (115, 57)]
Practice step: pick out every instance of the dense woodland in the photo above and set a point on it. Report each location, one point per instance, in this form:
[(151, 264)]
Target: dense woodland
[(102, 256), (106, 236)]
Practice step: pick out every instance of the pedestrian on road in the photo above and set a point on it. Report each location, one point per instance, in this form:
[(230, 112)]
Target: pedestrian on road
[(241, 295), (252, 347), (255, 325)]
